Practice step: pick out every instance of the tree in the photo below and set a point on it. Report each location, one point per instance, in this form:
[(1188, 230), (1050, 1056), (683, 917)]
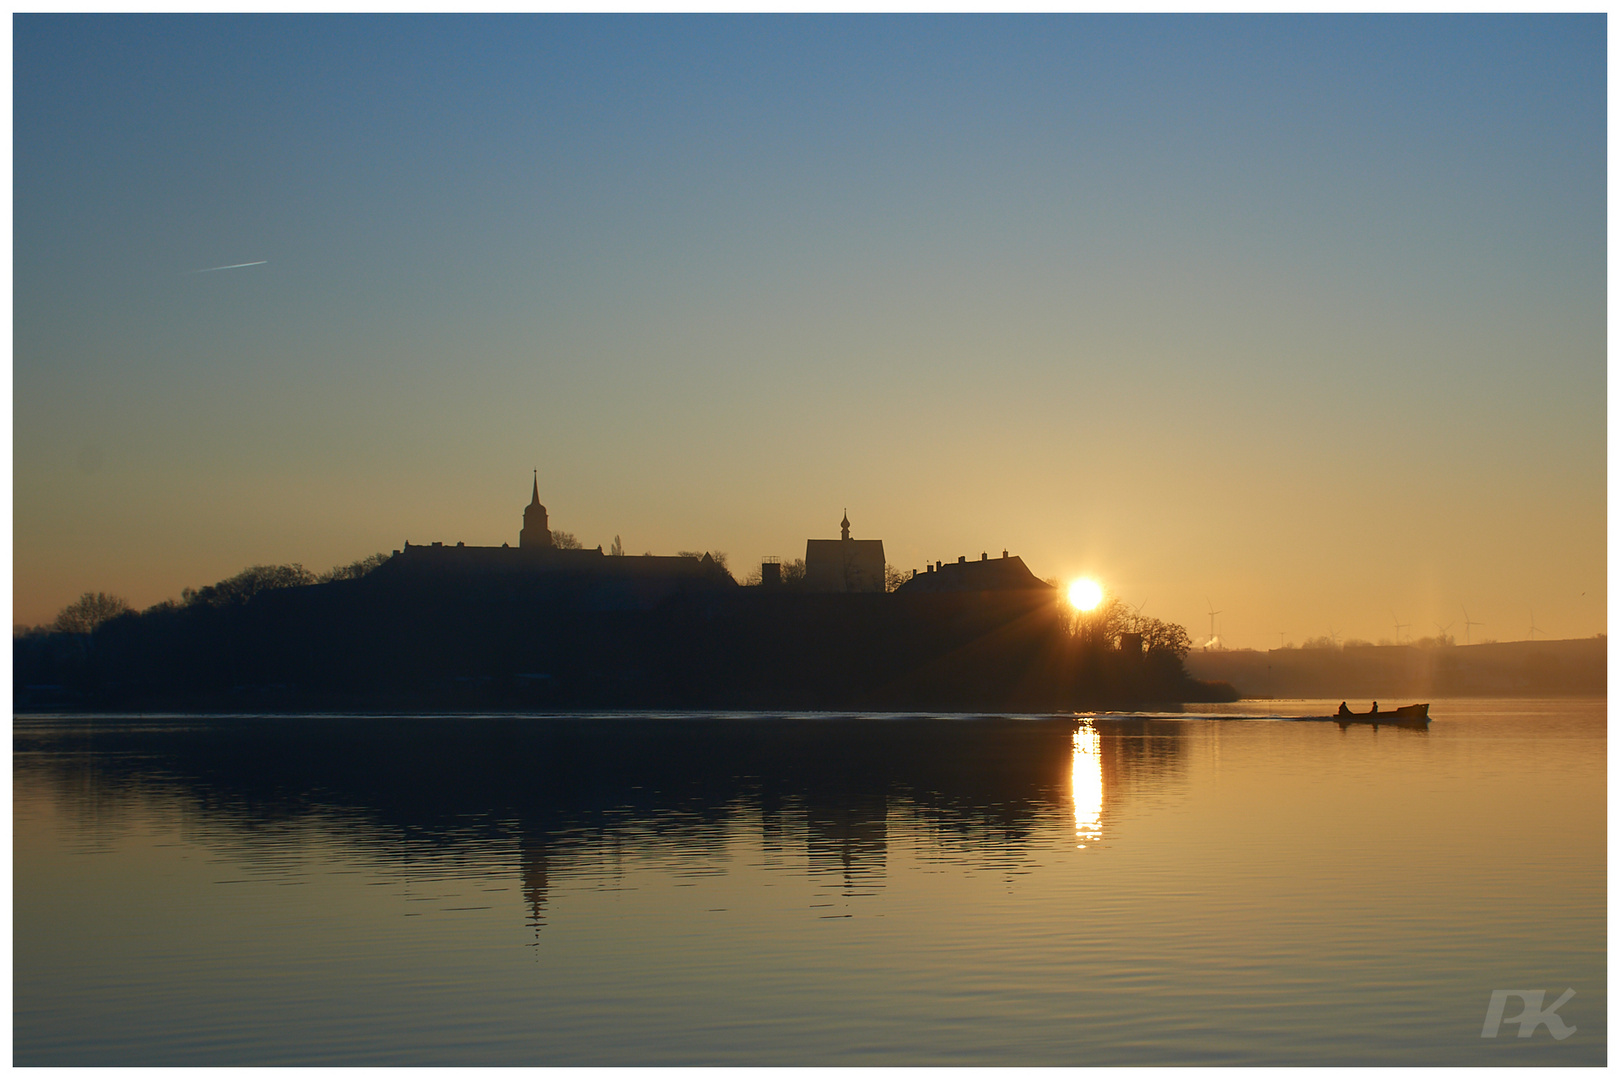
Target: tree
[(88, 612), (565, 540), (1165, 638), (1102, 626), (248, 584), (893, 577), (357, 569), (618, 546)]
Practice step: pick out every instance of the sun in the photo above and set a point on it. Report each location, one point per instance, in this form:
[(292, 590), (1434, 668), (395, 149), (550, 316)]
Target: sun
[(1085, 594)]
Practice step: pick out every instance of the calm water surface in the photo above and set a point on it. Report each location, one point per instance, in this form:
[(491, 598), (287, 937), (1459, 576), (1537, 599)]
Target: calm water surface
[(834, 890)]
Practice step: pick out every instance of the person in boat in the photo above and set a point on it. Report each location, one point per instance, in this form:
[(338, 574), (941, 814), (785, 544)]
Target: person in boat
[(1344, 708), (1374, 711)]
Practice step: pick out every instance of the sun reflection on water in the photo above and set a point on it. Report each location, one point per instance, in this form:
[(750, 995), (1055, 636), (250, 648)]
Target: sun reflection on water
[(1087, 783)]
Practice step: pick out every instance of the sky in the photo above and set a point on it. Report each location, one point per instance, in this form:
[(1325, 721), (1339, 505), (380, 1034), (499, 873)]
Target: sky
[(1299, 319)]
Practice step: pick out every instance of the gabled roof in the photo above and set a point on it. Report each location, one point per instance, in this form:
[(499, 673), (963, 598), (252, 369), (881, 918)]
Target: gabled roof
[(983, 575)]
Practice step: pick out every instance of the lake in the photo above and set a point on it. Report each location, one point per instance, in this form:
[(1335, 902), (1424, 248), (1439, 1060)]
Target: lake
[(812, 889)]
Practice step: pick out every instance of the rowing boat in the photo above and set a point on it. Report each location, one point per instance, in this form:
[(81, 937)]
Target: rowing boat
[(1406, 714)]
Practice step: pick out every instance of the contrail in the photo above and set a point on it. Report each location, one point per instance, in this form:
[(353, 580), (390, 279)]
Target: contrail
[(233, 266)]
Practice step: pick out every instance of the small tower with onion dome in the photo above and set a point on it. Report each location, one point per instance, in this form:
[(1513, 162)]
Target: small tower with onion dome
[(844, 565)]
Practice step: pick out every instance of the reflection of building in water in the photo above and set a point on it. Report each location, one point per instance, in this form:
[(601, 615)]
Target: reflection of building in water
[(850, 837), (532, 855)]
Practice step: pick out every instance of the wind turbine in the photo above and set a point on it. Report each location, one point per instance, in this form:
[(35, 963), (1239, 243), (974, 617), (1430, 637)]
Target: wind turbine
[(1468, 627), (1533, 627), (1398, 625), (1280, 635), (1333, 635), (1212, 614), (1444, 630)]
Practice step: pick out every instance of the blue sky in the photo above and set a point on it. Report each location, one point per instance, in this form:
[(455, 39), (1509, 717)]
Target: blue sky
[(1187, 303)]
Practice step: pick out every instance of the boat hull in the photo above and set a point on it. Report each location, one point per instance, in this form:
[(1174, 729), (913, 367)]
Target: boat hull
[(1406, 715)]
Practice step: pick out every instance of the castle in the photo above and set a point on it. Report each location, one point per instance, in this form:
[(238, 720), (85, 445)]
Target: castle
[(845, 565)]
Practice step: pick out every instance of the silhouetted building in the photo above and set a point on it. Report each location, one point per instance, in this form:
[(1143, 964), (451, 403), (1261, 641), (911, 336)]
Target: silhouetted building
[(843, 565), (535, 532), (598, 582), (985, 575)]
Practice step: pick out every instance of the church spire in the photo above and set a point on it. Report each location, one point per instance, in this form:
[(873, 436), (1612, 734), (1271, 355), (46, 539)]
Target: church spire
[(535, 532), (845, 523)]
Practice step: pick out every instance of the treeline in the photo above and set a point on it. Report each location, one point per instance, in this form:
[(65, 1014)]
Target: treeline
[(55, 662), (1325, 642), (90, 610), (280, 638), (1559, 668)]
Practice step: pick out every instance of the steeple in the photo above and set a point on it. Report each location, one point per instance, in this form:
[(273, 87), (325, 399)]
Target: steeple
[(845, 523), (535, 532)]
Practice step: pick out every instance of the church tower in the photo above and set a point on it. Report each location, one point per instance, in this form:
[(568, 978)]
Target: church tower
[(535, 533)]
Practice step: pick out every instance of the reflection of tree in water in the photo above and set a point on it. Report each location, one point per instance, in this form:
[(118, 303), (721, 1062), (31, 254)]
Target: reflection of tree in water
[(544, 796), (1140, 754)]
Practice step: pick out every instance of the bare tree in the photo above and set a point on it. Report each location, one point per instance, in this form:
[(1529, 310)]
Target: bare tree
[(88, 612), (565, 540), (1103, 625), (357, 569), (248, 584)]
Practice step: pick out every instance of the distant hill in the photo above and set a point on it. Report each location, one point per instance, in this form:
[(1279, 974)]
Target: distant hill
[(1574, 667)]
